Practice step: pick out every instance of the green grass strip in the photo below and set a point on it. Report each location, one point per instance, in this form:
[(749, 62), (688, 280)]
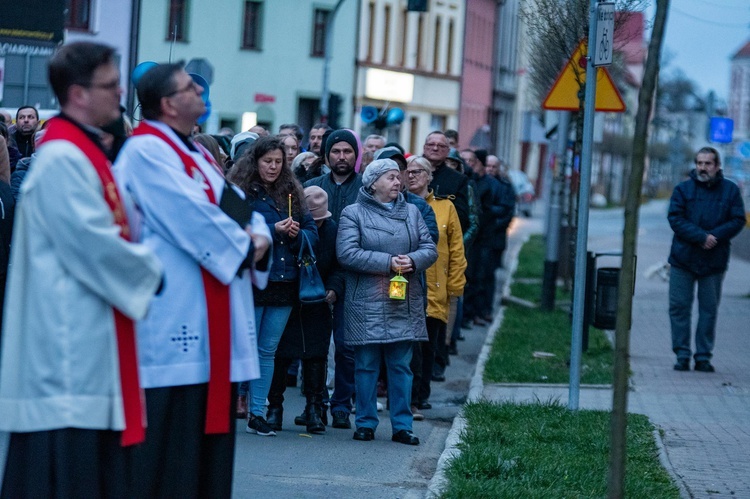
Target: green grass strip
[(545, 451), (525, 331), (531, 258)]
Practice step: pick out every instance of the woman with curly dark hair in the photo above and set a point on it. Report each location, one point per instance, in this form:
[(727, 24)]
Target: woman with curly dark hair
[(269, 183)]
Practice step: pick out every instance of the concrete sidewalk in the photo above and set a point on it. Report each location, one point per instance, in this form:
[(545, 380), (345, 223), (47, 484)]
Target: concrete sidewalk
[(704, 418)]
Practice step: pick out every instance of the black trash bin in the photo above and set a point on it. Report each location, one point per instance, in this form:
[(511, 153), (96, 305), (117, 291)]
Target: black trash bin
[(605, 309)]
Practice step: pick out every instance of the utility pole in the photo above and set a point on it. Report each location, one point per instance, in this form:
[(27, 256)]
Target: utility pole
[(579, 283), (326, 93)]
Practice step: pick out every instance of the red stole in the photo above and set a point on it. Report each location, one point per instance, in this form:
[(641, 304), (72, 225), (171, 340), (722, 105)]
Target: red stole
[(217, 305), (132, 395)]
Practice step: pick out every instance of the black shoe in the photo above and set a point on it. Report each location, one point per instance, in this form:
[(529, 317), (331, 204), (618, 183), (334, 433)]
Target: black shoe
[(466, 324), (314, 421), (704, 366), (341, 420), (405, 437), (364, 434), (438, 377), (424, 405), (301, 420), (460, 337), (683, 365), (291, 380), (452, 350), (258, 425), (275, 417)]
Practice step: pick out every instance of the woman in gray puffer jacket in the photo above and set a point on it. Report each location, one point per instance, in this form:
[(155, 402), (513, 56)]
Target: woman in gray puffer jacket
[(379, 235)]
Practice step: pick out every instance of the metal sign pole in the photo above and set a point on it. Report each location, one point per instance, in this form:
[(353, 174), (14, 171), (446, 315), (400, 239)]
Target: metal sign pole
[(579, 283)]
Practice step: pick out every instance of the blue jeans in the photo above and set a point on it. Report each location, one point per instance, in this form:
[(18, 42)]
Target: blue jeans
[(681, 291), (343, 384), (366, 369), (269, 323)]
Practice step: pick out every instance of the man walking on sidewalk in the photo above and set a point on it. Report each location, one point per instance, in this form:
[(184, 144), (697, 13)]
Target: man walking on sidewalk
[(705, 212)]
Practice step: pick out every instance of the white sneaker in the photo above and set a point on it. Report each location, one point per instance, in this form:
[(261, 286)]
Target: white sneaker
[(380, 407)]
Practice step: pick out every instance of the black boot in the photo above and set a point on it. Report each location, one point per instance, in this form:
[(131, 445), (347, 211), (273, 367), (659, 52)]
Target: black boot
[(275, 414), (314, 373), (275, 417)]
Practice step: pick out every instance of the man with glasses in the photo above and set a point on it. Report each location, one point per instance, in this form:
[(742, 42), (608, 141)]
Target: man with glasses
[(69, 381), (446, 182), (198, 339)]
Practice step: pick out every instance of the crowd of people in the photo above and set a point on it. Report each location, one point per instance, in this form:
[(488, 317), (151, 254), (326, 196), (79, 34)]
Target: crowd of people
[(154, 282)]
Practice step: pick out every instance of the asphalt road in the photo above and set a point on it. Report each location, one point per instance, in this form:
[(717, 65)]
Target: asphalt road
[(296, 464)]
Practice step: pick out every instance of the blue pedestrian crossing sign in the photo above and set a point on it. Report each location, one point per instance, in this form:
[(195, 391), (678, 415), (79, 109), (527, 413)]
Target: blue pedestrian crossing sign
[(720, 130)]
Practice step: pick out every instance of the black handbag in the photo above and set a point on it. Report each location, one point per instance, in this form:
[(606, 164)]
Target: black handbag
[(311, 288)]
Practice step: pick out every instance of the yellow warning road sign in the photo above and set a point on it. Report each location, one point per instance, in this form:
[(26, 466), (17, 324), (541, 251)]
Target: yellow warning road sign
[(567, 92)]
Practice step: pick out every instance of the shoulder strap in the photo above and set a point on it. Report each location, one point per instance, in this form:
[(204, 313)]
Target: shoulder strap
[(132, 401), (191, 167), (304, 246), (217, 307)]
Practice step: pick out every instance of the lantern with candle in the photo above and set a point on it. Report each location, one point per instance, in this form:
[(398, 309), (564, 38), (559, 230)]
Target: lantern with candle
[(397, 288)]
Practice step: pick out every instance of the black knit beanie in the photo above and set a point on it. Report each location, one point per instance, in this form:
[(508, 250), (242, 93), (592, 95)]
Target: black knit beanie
[(481, 155), (341, 135)]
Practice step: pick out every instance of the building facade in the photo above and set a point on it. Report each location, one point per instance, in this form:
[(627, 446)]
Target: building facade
[(505, 123), (101, 21), (739, 93), (477, 77), (263, 58), (410, 60)]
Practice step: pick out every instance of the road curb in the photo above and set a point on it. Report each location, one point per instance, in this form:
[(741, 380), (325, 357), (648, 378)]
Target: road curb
[(667, 464), (476, 387)]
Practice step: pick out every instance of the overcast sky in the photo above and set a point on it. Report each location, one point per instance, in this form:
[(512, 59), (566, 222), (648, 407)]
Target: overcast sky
[(702, 36)]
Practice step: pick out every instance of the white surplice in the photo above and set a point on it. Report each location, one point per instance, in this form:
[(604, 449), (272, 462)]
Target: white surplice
[(68, 268), (171, 213)]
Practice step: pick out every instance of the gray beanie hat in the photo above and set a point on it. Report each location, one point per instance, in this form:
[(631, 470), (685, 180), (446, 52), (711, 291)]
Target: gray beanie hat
[(376, 169), (240, 143)]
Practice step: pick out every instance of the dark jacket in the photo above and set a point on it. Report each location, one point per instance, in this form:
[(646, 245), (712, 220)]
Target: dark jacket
[(698, 209), (285, 249), (447, 182), (16, 178), (427, 213), (508, 203), (308, 330), (14, 156), (339, 196), (7, 210), (497, 205), (24, 143)]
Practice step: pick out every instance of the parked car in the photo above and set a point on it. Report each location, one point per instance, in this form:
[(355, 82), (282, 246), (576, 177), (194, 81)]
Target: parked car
[(525, 194)]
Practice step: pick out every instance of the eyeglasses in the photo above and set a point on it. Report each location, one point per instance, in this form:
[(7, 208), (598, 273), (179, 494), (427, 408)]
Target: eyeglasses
[(112, 85), (190, 86), (436, 145), (414, 173)]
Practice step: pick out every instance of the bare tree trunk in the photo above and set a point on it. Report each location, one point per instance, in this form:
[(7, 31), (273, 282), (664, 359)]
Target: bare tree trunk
[(618, 426)]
